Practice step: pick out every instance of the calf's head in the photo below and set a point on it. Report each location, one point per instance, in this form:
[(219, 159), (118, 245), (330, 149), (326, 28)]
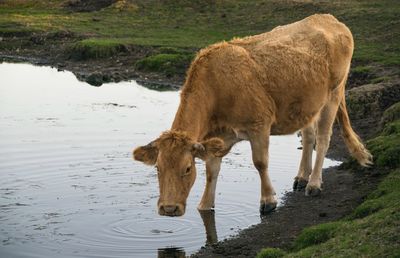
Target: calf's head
[(173, 155)]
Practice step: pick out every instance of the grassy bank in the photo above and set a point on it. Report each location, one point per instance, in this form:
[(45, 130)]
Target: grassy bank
[(373, 229), (195, 24)]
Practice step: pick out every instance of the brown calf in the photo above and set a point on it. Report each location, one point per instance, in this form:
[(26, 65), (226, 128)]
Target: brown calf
[(291, 78)]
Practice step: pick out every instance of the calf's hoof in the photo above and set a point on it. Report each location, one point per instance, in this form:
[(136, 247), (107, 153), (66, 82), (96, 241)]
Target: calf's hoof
[(299, 184), (266, 208), (313, 191)]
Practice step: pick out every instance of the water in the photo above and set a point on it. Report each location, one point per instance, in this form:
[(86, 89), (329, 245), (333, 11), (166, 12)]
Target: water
[(69, 187)]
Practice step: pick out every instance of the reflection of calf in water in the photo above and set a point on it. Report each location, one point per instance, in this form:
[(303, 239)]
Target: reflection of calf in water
[(208, 217), (172, 252)]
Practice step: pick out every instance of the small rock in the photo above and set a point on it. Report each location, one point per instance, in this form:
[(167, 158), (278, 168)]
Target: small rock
[(95, 79), (323, 214)]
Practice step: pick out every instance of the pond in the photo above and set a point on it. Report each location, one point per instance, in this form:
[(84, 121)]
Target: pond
[(69, 186)]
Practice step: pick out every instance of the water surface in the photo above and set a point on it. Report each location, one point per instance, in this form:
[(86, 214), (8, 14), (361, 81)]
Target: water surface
[(69, 187)]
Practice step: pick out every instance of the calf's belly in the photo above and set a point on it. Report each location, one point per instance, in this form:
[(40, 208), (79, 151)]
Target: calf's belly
[(292, 121)]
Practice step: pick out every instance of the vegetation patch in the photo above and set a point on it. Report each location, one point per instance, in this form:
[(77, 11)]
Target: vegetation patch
[(87, 5), (174, 50), (360, 75), (125, 6), (95, 48), (315, 235), (271, 253), (386, 147), (170, 63), (362, 70), (366, 208), (380, 79), (391, 114), (15, 29)]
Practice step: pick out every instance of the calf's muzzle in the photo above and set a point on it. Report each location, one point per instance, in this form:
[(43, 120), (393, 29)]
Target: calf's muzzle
[(171, 210)]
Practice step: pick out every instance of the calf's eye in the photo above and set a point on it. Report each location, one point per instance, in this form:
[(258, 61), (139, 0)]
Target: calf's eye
[(188, 170)]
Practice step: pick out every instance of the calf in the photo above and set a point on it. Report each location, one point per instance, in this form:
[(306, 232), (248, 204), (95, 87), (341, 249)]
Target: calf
[(291, 78)]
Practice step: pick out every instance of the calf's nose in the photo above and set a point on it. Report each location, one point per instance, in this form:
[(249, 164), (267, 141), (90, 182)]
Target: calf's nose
[(170, 208)]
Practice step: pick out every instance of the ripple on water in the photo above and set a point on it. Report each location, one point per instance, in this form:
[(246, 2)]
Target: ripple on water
[(138, 235)]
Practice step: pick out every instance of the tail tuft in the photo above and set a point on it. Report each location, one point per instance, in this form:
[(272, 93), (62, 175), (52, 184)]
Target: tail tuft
[(351, 139), (360, 153)]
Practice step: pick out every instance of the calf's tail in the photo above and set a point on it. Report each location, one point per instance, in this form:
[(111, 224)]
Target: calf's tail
[(351, 139)]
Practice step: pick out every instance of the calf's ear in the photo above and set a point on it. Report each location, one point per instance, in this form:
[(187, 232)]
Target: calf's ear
[(146, 154), (213, 147)]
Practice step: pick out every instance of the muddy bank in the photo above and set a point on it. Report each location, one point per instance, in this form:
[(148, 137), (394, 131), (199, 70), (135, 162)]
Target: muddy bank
[(54, 49), (343, 191)]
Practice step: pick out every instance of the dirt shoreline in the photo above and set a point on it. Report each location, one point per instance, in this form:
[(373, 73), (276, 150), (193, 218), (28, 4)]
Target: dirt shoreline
[(54, 50), (343, 191), (97, 74)]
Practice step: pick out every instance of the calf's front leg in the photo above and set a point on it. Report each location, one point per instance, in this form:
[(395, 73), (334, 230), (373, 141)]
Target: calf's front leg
[(259, 146), (213, 166)]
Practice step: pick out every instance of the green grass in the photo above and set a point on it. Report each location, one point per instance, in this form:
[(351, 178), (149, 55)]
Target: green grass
[(386, 147), (170, 63), (14, 29), (361, 70), (391, 114), (315, 235), (380, 79), (271, 253), (197, 23), (96, 48), (373, 228)]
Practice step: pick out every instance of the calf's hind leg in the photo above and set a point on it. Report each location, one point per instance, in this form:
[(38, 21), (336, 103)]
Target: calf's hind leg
[(324, 132), (259, 147), (308, 141)]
